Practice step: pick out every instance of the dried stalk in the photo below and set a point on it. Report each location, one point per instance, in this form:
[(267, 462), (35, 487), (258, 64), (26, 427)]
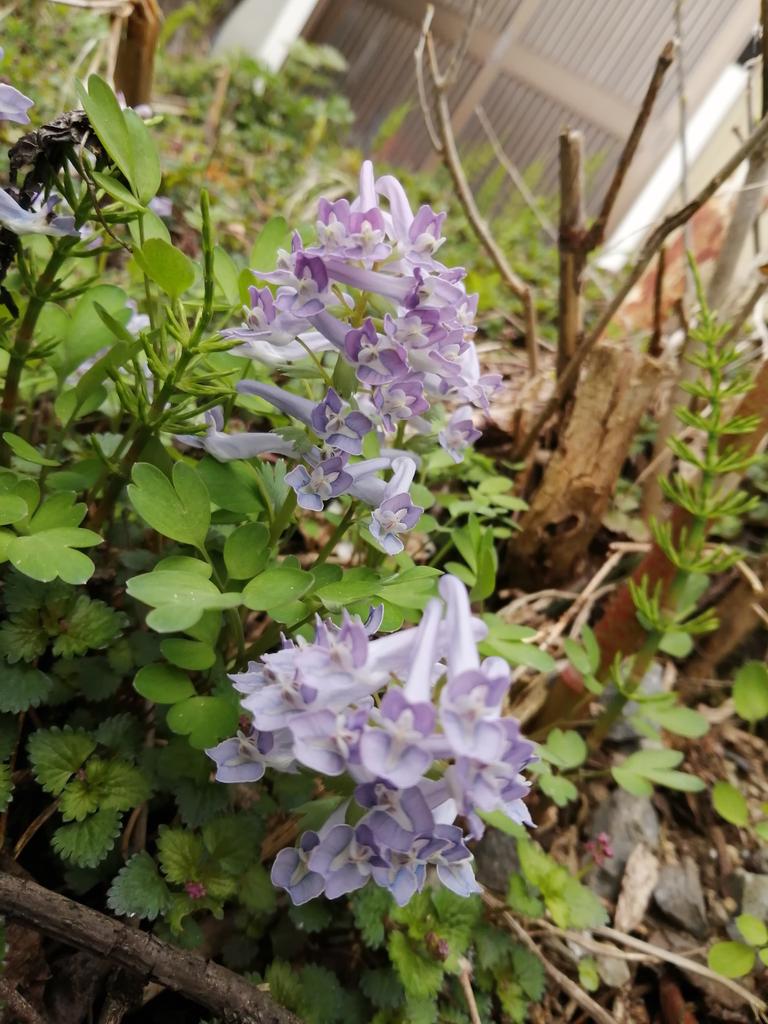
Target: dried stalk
[(571, 248), (650, 248), (594, 1010), (444, 141), (222, 992)]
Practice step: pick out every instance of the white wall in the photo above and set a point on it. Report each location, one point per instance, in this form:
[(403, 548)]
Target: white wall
[(264, 29)]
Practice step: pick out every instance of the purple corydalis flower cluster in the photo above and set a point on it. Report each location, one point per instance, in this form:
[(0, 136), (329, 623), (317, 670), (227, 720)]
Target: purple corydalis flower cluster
[(418, 356), (421, 754)]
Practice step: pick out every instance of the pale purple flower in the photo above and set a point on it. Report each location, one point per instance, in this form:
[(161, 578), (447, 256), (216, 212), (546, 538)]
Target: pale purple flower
[(400, 400), (14, 105), (338, 425), (308, 293), (245, 757), (377, 359), (458, 434), (345, 858), (291, 870), (264, 323), (37, 221), (395, 514), (226, 447), (326, 480), (394, 749), (329, 741)]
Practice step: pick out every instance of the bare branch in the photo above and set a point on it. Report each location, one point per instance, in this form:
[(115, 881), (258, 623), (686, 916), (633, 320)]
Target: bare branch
[(421, 86), (448, 150), (596, 233), (221, 991), (571, 251), (648, 251), (654, 345)]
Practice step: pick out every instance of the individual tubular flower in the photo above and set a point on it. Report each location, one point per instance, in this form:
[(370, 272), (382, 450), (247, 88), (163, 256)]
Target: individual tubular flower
[(458, 434), (396, 514), (37, 221), (376, 358), (324, 481), (245, 757), (226, 447)]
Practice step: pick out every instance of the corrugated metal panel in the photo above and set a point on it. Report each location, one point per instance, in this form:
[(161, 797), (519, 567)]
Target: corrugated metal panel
[(494, 16), (615, 45), (528, 125)]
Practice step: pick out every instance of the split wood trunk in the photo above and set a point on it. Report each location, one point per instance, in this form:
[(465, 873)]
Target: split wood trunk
[(568, 506)]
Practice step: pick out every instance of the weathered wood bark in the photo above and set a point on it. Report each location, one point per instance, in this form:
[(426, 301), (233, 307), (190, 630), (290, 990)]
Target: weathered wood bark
[(580, 478), (221, 991), (136, 57)]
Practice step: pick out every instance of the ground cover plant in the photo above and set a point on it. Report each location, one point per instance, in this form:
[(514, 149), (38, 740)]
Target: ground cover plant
[(314, 703)]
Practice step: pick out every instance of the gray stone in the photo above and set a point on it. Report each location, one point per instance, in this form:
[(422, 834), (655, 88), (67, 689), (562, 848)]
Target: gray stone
[(752, 893), (679, 896), (496, 859), (627, 820)]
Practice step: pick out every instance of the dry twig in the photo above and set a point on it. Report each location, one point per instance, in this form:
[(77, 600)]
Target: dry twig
[(221, 991), (444, 142), (648, 251)]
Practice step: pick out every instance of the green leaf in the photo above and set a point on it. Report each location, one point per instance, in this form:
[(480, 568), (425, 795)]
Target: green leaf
[(382, 986), (23, 687), (752, 929), (24, 450), (731, 959), (12, 509), (637, 773), (106, 117), (90, 625), (51, 553), (138, 890), (180, 854), (86, 843), (370, 906), (6, 786), (521, 900), (145, 163), (189, 654), (167, 266), (528, 972), (730, 804), (256, 892), (163, 684), (60, 510), (273, 236), (421, 977), (676, 643), (561, 791), (583, 907), (578, 657), (116, 191), (56, 754), (750, 691), (275, 587), (566, 750), (523, 654), (180, 509), (592, 648), (246, 551), (588, 974), (678, 720), (206, 720)]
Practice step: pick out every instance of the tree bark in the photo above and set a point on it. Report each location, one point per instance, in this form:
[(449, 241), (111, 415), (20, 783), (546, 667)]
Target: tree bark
[(221, 991)]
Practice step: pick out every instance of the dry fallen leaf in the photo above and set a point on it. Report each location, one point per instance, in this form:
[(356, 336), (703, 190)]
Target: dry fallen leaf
[(638, 883)]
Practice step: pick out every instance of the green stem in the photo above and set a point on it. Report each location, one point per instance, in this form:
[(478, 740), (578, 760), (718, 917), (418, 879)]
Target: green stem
[(283, 517), (341, 528)]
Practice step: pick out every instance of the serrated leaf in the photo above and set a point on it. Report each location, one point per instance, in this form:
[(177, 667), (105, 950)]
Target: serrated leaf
[(86, 843), (56, 754), (369, 907), (180, 854), (138, 890), (6, 786), (23, 687), (90, 625), (521, 900), (257, 893), (421, 977), (528, 972), (22, 638)]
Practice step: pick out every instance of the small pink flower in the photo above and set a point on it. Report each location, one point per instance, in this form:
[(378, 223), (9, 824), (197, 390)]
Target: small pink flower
[(195, 890), (600, 847)]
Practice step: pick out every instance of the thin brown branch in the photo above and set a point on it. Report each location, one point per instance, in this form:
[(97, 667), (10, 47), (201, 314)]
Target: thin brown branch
[(465, 980), (594, 1010), (460, 50), (596, 234), (571, 251), (648, 251), (654, 345), (448, 150), (421, 85), (208, 984)]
